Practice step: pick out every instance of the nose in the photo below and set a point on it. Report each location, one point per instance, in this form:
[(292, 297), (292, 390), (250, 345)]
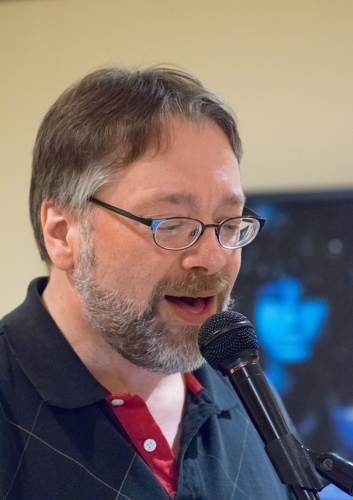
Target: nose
[(206, 255)]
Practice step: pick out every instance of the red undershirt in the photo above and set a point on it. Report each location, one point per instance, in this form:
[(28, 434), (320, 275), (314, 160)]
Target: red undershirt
[(146, 435)]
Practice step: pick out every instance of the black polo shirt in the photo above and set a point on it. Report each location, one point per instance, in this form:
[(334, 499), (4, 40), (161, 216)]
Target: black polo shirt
[(59, 439)]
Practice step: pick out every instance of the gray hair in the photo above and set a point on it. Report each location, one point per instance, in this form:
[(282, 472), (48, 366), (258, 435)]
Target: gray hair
[(105, 122)]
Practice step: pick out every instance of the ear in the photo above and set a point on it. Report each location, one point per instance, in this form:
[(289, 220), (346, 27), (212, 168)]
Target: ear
[(61, 235)]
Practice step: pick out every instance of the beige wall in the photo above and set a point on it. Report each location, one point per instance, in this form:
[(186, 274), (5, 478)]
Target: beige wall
[(284, 65)]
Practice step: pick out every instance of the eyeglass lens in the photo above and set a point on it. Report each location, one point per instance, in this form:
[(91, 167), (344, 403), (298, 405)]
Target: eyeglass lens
[(180, 233)]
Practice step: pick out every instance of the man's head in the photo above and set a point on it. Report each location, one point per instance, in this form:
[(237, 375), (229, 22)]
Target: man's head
[(104, 123), (158, 145)]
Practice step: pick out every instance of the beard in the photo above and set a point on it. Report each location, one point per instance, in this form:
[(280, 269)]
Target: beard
[(141, 335)]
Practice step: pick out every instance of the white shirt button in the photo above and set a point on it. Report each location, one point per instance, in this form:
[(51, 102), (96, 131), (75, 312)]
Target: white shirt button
[(150, 445), (117, 402)]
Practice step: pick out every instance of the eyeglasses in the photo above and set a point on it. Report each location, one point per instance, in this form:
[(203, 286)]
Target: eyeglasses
[(178, 233)]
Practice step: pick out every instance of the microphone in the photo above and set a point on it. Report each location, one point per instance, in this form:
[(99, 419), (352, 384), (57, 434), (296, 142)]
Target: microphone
[(228, 342)]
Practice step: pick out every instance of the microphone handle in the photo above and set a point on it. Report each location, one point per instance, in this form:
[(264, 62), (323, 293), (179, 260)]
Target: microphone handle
[(249, 382)]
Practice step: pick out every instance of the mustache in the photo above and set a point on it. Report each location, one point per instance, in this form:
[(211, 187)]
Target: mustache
[(193, 284)]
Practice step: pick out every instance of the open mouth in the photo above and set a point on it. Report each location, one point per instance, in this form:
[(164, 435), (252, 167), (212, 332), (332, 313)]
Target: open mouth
[(195, 305)]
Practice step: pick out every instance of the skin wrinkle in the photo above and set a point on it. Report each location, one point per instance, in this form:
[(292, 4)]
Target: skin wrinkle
[(180, 200)]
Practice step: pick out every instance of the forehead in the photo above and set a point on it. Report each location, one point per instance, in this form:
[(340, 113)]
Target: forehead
[(198, 166)]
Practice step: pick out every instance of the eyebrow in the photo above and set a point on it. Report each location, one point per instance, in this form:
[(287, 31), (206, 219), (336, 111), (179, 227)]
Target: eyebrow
[(234, 199)]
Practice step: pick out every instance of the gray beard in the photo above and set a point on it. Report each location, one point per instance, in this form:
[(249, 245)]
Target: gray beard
[(142, 337)]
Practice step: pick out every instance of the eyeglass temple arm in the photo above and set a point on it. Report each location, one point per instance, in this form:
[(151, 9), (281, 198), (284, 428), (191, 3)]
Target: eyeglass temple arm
[(129, 215)]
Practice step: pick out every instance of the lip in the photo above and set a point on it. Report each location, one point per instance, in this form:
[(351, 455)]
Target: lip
[(192, 310)]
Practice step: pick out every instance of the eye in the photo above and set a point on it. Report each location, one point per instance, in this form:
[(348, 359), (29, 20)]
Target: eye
[(170, 227), (231, 226), (194, 232), (178, 232)]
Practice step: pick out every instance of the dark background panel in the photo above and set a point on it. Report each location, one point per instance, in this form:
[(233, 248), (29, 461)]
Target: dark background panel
[(296, 286)]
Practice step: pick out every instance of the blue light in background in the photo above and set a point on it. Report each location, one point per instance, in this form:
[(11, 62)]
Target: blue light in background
[(288, 323)]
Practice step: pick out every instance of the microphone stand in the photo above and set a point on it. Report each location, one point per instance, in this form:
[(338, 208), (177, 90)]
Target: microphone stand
[(307, 472), (301, 494), (336, 470), (304, 471)]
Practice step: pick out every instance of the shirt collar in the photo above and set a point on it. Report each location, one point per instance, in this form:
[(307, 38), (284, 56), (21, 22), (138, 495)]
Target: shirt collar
[(217, 388), (45, 355)]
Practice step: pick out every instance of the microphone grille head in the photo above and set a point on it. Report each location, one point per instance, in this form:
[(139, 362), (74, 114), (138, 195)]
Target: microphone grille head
[(224, 335)]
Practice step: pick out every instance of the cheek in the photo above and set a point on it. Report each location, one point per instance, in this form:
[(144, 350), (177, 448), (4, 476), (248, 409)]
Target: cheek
[(119, 250), (133, 270), (235, 263)]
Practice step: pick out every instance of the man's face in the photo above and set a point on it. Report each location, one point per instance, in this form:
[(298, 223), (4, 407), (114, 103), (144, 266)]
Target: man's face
[(148, 302)]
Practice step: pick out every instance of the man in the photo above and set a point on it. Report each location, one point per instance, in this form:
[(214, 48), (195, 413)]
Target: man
[(104, 394)]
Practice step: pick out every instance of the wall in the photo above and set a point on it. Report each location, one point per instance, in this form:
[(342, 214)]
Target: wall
[(285, 66)]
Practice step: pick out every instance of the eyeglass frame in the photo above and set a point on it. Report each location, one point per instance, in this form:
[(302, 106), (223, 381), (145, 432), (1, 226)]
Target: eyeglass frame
[(153, 223)]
